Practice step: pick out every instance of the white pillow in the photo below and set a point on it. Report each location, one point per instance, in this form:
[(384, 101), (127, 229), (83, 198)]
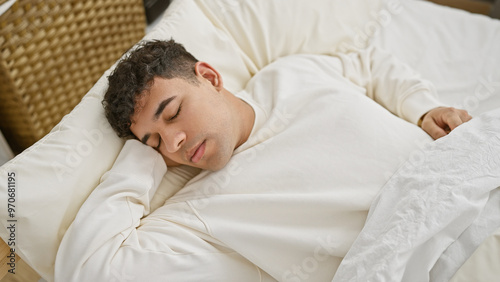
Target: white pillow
[(452, 48), (266, 30), (185, 22), (54, 177)]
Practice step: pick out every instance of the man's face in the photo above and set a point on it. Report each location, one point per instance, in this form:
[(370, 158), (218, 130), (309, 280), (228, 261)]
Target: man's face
[(188, 124)]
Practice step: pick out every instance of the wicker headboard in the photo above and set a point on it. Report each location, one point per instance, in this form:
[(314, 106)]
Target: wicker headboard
[(52, 52)]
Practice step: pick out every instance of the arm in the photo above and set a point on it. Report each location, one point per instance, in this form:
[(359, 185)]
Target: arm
[(111, 240), (401, 90)]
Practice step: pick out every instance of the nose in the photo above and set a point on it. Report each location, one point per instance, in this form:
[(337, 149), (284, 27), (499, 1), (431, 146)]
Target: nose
[(174, 140)]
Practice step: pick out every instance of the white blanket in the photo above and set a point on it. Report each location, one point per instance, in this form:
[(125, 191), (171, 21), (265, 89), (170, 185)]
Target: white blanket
[(434, 211)]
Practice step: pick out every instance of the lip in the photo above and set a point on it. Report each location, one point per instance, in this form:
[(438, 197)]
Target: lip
[(198, 153)]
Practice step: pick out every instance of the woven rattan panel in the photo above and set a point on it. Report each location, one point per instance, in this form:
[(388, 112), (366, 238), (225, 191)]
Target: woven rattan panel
[(52, 52)]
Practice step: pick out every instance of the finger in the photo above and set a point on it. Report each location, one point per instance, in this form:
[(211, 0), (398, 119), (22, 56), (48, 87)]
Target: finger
[(453, 120), (464, 115), (433, 129)]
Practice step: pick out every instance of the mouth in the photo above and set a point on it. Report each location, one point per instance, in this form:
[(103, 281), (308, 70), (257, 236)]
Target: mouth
[(198, 153)]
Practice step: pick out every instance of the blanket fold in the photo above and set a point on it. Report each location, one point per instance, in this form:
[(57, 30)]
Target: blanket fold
[(435, 210)]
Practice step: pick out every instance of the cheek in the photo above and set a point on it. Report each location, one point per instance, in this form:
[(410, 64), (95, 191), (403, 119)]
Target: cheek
[(218, 113), (202, 119), (221, 156), (136, 133), (170, 162)]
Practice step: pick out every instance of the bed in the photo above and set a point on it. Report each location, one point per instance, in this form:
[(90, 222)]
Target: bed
[(455, 50)]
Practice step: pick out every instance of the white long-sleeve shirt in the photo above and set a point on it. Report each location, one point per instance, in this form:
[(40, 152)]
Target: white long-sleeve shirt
[(289, 203)]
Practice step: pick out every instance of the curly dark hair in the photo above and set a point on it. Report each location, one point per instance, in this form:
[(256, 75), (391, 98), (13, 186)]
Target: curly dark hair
[(135, 73)]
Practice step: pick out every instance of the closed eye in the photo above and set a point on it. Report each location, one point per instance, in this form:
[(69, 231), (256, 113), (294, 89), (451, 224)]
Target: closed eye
[(176, 114), (170, 119), (159, 144)]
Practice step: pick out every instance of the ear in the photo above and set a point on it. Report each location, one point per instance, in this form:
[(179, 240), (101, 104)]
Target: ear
[(205, 71)]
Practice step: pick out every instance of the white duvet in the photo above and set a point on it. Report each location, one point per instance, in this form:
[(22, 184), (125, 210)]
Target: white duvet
[(434, 211)]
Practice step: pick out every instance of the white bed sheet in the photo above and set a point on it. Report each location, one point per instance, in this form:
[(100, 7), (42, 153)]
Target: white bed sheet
[(482, 266), (456, 50), (435, 210)]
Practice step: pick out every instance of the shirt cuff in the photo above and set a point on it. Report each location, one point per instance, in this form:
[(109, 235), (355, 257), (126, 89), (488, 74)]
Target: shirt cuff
[(417, 104)]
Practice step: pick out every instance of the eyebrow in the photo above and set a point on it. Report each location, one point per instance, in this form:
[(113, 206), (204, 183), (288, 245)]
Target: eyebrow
[(162, 106), (159, 110)]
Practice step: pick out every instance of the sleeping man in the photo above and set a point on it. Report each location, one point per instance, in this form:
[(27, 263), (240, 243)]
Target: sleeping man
[(288, 167)]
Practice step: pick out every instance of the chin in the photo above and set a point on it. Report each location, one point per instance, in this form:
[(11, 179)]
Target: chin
[(216, 167), (219, 164)]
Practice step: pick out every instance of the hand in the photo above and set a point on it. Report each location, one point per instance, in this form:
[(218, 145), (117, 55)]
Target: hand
[(440, 121)]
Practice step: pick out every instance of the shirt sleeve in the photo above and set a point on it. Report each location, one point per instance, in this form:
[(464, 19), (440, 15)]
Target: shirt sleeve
[(390, 82), (111, 240)]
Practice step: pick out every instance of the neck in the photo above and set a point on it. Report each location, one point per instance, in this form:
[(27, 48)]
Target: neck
[(244, 116)]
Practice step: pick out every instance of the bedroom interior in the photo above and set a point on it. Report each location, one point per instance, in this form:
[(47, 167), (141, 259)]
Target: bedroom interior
[(38, 88)]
